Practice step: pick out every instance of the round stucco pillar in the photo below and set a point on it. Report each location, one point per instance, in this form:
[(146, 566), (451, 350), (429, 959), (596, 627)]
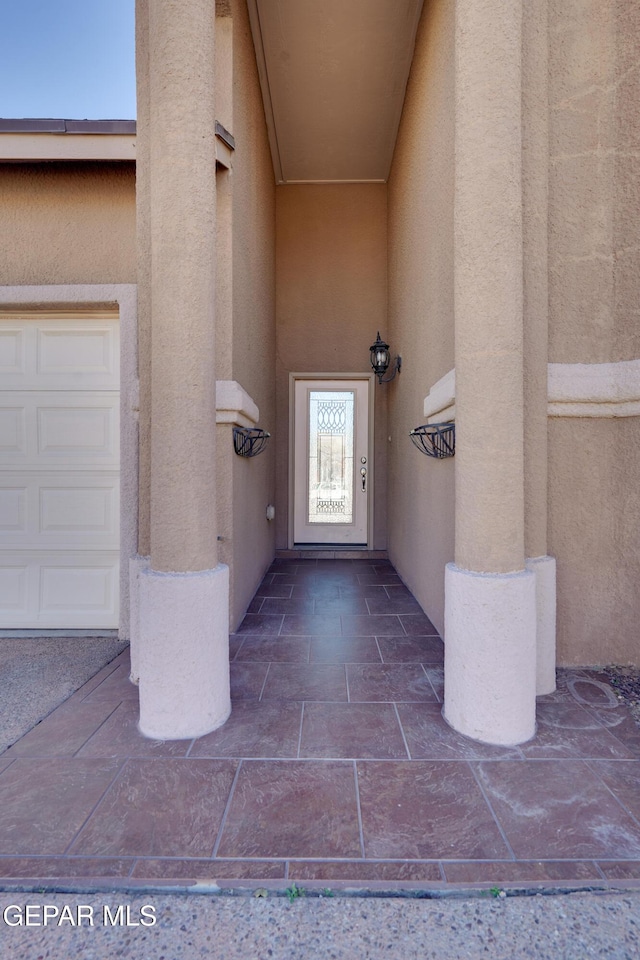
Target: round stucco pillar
[(143, 359), (535, 196), (490, 613), (184, 592)]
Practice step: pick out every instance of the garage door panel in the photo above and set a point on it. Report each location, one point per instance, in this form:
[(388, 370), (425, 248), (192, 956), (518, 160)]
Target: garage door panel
[(60, 510), (39, 429), (87, 510), (80, 432), (12, 352), (46, 589), (13, 510), (13, 430), (84, 353), (13, 590), (86, 586), (60, 354)]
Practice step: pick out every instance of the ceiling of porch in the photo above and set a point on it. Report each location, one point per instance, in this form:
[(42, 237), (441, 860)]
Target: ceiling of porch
[(333, 75)]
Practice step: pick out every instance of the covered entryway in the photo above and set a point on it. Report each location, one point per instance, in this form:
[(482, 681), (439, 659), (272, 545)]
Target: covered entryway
[(59, 470), (376, 211)]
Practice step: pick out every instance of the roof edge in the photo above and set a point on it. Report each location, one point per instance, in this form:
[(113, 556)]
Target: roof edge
[(111, 127)]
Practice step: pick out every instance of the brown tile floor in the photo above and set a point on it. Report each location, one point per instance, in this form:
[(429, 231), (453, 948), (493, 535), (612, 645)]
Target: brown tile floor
[(335, 765)]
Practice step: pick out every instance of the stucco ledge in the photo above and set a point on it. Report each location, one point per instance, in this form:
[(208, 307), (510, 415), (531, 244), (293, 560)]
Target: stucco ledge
[(234, 405)]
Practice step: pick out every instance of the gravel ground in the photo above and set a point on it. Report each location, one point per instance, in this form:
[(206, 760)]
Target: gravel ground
[(626, 684), (38, 674), (562, 927)]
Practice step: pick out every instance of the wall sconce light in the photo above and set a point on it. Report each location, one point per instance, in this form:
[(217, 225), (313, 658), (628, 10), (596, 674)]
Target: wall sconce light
[(380, 360)]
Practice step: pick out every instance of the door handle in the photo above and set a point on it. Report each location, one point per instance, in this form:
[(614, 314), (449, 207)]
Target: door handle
[(363, 474)]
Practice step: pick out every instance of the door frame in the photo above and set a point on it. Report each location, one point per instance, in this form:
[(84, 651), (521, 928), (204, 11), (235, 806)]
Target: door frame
[(293, 377)]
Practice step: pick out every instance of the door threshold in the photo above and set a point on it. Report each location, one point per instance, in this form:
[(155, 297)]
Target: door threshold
[(323, 551), (330, 546)]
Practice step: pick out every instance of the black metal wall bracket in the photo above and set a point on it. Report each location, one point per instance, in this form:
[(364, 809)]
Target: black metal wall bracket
[(435, 439), (249, 441)]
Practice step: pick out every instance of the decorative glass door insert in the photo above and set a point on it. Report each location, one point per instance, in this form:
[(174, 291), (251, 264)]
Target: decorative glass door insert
[(330, 490), (331, 461)]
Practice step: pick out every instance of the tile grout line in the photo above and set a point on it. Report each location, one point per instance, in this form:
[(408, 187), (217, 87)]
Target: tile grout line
[(235, 656), (300, 731), (599, 869), (264, 682), (404, 739), (592, 712), (143, 857), (93, 689), (594, 770), (190, 747), (358, 809), (223, 820), (346, 679), (198, 858), (491, 810), (382, 660), (99, 727), (121, 765), (435, 692)]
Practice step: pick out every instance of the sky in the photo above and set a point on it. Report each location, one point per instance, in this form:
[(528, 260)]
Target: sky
[(67, 59)]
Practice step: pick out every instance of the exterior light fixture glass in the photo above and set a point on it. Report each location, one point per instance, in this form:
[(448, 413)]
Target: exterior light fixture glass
[(381, 358)]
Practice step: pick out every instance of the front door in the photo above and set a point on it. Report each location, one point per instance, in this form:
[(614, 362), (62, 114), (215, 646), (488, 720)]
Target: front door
[(331, 461)]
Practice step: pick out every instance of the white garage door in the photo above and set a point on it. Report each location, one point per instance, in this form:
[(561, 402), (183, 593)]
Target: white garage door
[(59, 471)]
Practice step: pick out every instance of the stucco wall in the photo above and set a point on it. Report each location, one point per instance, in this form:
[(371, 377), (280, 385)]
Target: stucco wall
[(331, 300), (421, 490), (246, 346), (594, 301), (594, 519), (68, 223)]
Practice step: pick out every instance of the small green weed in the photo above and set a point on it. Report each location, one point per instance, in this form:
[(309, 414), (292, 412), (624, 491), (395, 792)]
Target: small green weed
[(294, 892)]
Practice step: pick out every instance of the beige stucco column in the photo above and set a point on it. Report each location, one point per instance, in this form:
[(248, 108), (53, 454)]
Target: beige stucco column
[(183, 593), (490, 617), (143, 268), (535, 189)]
